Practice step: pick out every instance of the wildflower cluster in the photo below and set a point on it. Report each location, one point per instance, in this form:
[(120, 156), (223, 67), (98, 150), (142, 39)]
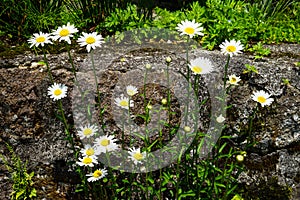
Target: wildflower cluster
[(125, 102), (97, 145), (65, 33), (204, 65)]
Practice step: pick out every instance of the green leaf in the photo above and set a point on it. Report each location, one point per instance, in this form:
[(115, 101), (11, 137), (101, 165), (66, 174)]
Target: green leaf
[(222, 147), (19, 194), (32, 193)]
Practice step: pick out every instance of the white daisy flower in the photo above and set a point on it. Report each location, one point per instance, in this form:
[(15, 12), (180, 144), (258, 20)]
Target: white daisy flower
[(105, 144), (88, 150), (190, 28), (87, 161), (131, 90), (40, 39), (64, 32), (262, 97), (201, 66), (136, 155), (87, 131), (220, 119), (90, 40), (97, 175), (123, 102), (233, 79), (231, 48), (57, 91)]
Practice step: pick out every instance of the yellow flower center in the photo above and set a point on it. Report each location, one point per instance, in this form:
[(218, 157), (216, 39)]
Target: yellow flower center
[(90, 40), (197, 69), (105, 142), (64, 32), (138, 156), (189, 30), (261, 99), (87, 131), (231, 48), (124, 103), (97, 173), (90, 152), (40, 39), (233, 80), (87, 160), (57, 92), (130, 92)]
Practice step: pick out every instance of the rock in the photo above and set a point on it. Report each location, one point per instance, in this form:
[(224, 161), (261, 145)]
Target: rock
[(28, 122)]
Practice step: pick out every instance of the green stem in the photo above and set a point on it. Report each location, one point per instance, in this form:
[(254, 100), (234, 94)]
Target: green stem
[(48, 67), (72, 62), (145, 78), (178, 175), (168, 98), (65, 122), (97, 88), (196, 85), (251, 120), (226, 70), (188, 80)]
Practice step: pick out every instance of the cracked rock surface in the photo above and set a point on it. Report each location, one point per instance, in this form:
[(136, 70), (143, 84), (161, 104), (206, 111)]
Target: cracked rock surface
[(29, 124)]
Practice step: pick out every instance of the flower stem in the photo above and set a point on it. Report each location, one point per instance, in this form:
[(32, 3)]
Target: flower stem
[(71, 61), (188, 80), (97, 88), (225, 71), (48, 67), (65, 122)]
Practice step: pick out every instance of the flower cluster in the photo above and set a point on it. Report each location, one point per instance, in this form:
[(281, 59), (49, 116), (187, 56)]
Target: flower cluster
[(103, 144), (65, 33), (126, 102), (89, 153)]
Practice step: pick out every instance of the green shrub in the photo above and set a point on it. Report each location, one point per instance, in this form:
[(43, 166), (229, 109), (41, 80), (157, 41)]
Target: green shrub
[(22, 180), (22, 18)]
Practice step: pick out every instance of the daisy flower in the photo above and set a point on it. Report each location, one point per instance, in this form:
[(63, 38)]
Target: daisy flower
[(131, 90), (201, 66), (97, 175), (105, 144), (64, 32), (231, 48), (87, 161), (136, 156), (57, 91), (90, 40), (190, 28), (123, 102), (87, 131), (262, 97), (233, 79), (39, 39), (88, 150)]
